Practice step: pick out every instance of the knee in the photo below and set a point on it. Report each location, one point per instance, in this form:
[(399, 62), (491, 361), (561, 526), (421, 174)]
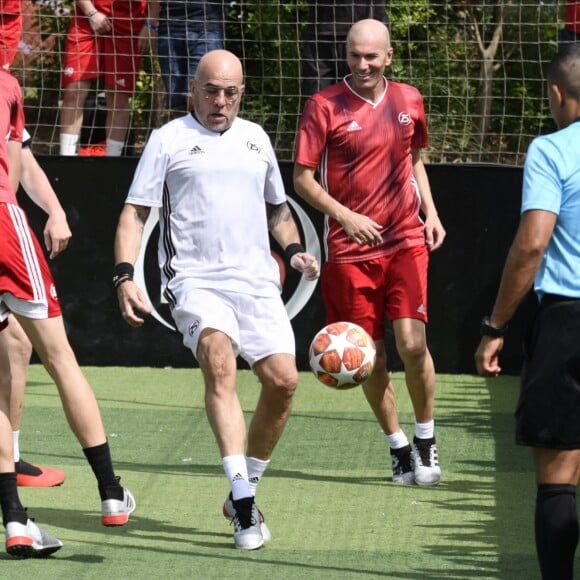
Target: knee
[(283, 385), (412, 351), (22, 350)]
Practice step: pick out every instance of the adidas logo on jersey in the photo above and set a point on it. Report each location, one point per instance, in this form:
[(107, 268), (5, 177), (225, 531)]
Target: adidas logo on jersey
[(354, 126), (421, 309), (196, 150)]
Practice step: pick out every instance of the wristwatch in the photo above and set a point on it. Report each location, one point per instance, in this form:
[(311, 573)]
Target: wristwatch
[(486, 329)]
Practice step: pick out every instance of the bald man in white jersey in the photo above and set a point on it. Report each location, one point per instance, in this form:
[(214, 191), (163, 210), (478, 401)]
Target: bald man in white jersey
[(217, 183)]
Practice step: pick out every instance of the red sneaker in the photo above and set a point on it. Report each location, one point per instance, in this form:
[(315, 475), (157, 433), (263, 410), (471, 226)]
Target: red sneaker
[(28, 475)]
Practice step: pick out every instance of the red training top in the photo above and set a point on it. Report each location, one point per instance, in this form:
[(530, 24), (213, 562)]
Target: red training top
[(11, 128), (363, 153)]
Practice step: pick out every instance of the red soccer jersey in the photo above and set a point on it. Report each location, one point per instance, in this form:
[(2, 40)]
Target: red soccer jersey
[(10, 6), (363, 153), (133, 8), (10, 31), (11, 128), (573, 16)]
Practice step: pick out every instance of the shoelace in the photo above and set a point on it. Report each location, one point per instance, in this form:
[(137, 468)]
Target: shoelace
[(244, 522), (425, 453)]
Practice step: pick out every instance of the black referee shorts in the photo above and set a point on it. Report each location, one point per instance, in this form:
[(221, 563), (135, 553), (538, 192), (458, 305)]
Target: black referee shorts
[(548, 411)]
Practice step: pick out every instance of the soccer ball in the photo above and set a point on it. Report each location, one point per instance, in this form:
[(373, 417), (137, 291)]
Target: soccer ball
[(342, 355)]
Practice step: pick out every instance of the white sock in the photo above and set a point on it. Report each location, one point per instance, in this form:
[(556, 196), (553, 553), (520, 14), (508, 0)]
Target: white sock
[(425, 430), (114, 148), (397, 440), (16, 439), (256, 468), (68, 144), (237, 473)]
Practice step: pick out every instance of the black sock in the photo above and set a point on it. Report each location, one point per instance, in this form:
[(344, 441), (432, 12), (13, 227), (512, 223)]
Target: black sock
[(99, 458), (556, 525), (12, 509), (25, 468)]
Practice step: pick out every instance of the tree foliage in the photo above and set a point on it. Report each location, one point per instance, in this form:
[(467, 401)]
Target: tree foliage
[(479, 64)]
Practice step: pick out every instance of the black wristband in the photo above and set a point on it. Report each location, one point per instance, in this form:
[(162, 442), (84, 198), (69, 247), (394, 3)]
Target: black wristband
[(122, 273), (291, 250), (486, 329)]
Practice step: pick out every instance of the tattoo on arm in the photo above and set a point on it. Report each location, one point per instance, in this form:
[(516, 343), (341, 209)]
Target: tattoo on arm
[(277, 214)]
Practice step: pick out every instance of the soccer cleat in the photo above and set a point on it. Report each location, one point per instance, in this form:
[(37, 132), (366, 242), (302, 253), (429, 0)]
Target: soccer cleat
[(247, 528), (28, 475), (229, 512), (427, 470), (29, 541), (403, 461), (116, 512)]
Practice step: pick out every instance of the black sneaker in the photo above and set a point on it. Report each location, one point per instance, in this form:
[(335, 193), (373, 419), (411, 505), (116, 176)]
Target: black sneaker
[(403, 461), (427, 470)]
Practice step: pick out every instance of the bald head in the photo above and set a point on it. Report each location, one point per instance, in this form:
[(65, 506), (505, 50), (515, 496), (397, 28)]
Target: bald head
[(369, 31), (219, 64), (368, 53), (217, 89)]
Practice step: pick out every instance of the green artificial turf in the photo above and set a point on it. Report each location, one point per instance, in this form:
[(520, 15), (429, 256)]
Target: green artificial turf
[(327, 496)]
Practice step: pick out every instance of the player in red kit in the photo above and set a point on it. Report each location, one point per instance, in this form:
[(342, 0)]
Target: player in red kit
[(364, 136), (27, 291), (105, 40)]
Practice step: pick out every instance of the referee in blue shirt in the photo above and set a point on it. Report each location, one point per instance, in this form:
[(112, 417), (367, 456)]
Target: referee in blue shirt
[(546, 253)]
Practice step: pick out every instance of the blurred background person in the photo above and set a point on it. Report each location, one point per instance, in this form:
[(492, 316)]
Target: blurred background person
[(105, 40), (323, 49), (10, 31), (186, 31), (571, 30)]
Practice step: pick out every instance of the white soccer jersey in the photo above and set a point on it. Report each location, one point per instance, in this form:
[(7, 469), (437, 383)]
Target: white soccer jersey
[(212, 189)]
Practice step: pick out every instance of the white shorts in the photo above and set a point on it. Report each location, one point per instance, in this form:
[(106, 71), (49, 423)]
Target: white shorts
[(257, 326)]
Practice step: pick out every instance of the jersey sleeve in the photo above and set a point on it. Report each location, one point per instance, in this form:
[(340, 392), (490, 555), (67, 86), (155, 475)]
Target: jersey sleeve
[(147, 186), (420, 136), (311, 137), (26, 139), (274, 191), (541, 188), (16, 116)]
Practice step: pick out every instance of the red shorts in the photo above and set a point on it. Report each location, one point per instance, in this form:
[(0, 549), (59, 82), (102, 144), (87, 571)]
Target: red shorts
[(115, 56), (26, 284), (394, 286), (11, 26)]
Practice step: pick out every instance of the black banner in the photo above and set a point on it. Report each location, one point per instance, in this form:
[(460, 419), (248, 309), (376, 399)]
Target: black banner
[(479, 207)]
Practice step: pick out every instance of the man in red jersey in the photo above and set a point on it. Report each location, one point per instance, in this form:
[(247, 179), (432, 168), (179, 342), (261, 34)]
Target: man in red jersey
[(364, 136), (105, 39), (37, 186), (10, 30), (27, 291)]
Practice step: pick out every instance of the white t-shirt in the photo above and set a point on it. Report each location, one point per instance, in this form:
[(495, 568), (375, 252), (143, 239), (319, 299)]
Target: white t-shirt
[(212, 189)]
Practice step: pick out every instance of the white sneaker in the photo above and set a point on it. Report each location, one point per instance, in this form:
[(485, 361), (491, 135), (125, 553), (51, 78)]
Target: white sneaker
[(116, 512), (29, 541), (229, 513), (246, 520), (427, 470)]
